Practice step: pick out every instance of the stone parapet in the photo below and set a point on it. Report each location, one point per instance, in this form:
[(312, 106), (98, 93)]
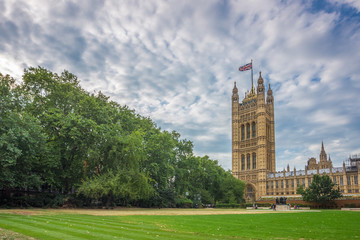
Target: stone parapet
[(281, 207)]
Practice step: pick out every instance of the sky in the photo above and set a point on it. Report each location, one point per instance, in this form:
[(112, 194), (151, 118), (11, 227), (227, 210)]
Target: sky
[(176, 62)]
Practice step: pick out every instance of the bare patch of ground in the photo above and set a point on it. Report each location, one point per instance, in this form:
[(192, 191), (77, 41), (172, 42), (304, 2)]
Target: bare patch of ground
[(7, 234), (134, 211), (26, 211)]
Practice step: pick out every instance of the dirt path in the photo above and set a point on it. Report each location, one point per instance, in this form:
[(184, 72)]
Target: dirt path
[(134, 211)]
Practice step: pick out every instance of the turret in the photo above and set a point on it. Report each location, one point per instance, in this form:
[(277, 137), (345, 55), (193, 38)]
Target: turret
[(235, 96), (323, 156), (235, 128), (260, 87), (269, 98)]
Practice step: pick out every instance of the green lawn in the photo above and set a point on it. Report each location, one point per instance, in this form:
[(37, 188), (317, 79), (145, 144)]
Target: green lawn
[(294, 225)]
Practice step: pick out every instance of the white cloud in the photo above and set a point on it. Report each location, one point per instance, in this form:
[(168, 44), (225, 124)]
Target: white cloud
[(353, 3), (176, 62)]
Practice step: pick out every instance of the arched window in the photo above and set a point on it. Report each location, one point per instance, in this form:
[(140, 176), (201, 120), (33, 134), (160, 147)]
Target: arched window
[(254, 160), (248, 161), (248, 130), (242, 132), (253, 129), (242, 162)]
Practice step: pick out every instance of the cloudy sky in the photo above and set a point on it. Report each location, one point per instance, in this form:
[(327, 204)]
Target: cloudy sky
[(176, 61)]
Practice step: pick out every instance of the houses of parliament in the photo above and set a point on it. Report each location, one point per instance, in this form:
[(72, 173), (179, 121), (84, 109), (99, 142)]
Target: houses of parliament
[(253, 152)]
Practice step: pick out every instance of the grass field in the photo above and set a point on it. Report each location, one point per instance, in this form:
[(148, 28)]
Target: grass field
[(178, 224)]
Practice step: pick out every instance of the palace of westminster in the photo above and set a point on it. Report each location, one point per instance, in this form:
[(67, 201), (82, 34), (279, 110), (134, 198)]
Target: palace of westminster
[(253, 152)]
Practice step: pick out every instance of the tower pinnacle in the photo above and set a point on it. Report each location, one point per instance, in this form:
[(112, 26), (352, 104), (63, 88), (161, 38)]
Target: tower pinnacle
[(269, 98)]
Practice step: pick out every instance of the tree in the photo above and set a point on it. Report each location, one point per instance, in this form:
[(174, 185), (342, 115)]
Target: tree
[(321, 190), (55, 136), (123, 185), (233, 189), (23, 150)]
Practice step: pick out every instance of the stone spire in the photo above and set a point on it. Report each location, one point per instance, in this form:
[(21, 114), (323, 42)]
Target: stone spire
[(323, 156), (260, 87), (269, 98), (235, 96)]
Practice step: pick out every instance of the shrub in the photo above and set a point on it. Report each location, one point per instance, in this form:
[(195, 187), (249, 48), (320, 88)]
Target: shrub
[(184, 203), (230, 205)]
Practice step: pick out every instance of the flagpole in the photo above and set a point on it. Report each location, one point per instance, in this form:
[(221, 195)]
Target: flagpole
[(252, 84)]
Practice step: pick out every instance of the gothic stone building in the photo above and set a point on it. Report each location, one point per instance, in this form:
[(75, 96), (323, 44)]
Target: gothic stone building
[(253, 152)]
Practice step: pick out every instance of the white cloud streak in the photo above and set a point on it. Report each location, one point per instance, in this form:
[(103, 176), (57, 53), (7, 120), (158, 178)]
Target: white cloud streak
[(176, 62)]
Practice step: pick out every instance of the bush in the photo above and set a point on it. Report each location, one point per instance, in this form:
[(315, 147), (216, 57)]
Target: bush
[(263, 204), (184, 203), (350, 205), (34, 199), (230, 205), (248, 205)]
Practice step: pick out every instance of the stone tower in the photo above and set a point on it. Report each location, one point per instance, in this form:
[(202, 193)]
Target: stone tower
[(253, 138)]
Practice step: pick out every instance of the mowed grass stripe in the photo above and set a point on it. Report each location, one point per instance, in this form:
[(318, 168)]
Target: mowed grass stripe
[(146, 223), (32, 230), (84, 230), (96, 221), (329, 224), (75, 231), (308, 225), (116, 227), (46, 230)]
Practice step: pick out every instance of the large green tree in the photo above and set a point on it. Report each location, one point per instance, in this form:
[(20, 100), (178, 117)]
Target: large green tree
[(119, 187), (56, 136), (23, 150), (321, 190)]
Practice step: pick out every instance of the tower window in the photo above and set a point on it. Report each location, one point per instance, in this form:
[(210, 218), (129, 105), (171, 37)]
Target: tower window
[(248, 161), (253, 129), (254, 160), (348, 181), (242, 132), (242, 162), (356, 180), (341, 181), (248, 130), (334, 180)]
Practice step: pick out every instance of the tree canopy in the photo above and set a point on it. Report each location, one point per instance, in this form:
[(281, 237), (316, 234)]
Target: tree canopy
[(321, 190), (56, 137)]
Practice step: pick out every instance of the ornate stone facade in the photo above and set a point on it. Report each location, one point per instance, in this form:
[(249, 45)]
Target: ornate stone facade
[(253, 152)]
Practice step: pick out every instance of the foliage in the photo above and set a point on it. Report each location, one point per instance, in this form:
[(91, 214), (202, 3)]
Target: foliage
[(56, 137), (321, 190), (126, 186), (230, 205), (23, 160)]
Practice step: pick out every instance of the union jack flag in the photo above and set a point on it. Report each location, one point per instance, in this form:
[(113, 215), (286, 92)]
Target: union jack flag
[(245, 67)]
